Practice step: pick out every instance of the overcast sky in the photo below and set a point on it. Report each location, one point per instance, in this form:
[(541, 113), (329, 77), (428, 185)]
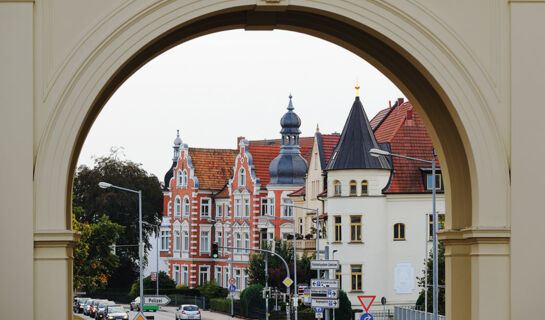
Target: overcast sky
[(229, 84)]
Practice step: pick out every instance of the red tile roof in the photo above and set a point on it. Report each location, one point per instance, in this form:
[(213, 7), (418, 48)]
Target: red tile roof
[(224, 193), (298, 192), (378, 117), (410, 138), (213, 167), (329, 142)]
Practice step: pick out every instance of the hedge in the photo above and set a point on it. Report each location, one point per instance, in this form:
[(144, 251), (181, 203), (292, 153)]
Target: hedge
[(222, 305)]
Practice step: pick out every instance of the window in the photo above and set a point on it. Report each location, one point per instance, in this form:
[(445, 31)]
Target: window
[(184, 178), (271, 206), (226, 277), (246, 207), (218, 276), (237, 208), (205, 207), (177, 207), (246, 278), (218, 240), (338, 229), (204, 274), (287, 209), (185, 272), (300, 225), (176, 240), (242, 177), (226, 241), (399, 231), (219, 210), (440, 224), (185, 241), (205, 241), (353, 188), (246, 241), (355, 228), (429, 181), (339, 276), (179, 180), (364, 188), (337, 187), (237, 241), (186, 206), (177, 274), (237, 278), (356, 277), (264, 207), (169, 208), (164, 240)]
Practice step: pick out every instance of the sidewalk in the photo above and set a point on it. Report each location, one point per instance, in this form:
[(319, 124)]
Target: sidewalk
[(205, 314)]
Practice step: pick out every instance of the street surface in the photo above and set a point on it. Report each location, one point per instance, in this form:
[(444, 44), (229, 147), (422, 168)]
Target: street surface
[(167, 313)]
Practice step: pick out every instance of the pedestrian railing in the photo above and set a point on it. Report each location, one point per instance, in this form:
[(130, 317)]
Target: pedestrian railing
[(405, 313)]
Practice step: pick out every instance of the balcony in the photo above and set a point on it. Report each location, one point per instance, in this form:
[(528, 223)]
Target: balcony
[(305, 244)]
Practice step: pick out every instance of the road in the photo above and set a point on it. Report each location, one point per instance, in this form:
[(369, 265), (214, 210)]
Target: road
[(168, 314)]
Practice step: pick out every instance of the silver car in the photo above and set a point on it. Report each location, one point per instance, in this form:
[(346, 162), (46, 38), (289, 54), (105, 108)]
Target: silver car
[(188, 311)]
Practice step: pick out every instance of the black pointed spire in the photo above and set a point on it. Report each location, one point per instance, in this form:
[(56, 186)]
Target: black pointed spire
[(357, 138)]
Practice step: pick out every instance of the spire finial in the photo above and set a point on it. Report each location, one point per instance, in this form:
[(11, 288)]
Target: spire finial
[(290, 105), (357, 88), (317, 127)]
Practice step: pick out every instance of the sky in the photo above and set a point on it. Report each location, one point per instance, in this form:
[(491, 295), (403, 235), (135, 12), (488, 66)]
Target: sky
[(218, 87)]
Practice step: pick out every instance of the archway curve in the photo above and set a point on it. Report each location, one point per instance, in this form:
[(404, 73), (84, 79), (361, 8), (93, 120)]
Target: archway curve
[(433, 79)]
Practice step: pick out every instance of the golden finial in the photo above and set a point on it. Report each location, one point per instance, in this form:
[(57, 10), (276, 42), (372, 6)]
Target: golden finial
[(317, 128), (357, 89)]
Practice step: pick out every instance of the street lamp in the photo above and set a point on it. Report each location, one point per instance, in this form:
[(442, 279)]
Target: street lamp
[(157, 231), (377, 153), (105, 185)]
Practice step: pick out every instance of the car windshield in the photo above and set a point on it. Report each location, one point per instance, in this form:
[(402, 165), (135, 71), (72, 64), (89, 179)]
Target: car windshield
[(88, 302), (191, 308), (115, 309)]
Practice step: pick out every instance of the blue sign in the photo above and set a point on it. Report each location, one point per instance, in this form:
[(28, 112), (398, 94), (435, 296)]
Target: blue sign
[(366, 316), (232, 288), (318, 309)]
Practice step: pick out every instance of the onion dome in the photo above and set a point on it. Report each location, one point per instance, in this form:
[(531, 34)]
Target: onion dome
[(170, 173), (289, 167), (178, 140)]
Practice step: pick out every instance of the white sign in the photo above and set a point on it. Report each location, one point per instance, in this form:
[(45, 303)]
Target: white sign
[(404, 278), (324, 293), (156, 300), (319, 315), (324, 283), (324, 264), (325, 303)]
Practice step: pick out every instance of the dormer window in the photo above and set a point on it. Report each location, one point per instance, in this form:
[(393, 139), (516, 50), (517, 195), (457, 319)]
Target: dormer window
[(353, 188), (429, 182), (337, 187), (364, 188), (242, 177)]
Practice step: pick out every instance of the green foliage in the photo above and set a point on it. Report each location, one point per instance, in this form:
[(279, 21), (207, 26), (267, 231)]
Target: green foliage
[(120, 206), (252, 296), (165, 283), (428, 265), (211, 289), (345, 307), (222, 305), (94, 261)]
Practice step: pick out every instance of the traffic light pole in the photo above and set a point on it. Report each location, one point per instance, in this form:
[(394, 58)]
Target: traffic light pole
[(266, 287)]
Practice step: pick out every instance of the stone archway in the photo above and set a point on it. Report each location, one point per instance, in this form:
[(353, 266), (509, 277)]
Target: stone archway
[(435, 74)]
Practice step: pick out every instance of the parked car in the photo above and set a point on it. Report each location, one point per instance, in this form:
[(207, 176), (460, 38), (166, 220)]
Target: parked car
[(87, 307), (101, 307), (188, 311), (115, 312), (135, 304), (94, 308), (79, 303)]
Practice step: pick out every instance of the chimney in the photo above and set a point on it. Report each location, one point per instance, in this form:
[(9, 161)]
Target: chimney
[(400, 101), (410, 116), (390, 102)]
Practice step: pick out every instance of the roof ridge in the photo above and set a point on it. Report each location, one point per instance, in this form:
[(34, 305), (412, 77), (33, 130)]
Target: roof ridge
[(212, 149)]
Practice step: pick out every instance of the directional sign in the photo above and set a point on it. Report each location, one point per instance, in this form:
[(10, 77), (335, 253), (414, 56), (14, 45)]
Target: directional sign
[(156, 300), (324, 293), (366, 301), (324, 264), (324, 283), (325, 303), (139, 316), (287, 282), (232, 288), (366, 316)]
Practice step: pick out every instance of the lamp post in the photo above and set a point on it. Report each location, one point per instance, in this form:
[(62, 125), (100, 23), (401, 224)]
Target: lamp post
[(333, 258), (295, 292), (157, 230), (106, 185), (377, 153)]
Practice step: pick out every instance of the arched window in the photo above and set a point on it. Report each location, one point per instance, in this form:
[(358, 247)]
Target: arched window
[(179, 181), (353, 188), (246, 241), (186, 206), (242, 177), (185, 241), (399, 231), (364, 188), (237, 241), (178, 207), (337, 187), (184, 178), (176, 240)]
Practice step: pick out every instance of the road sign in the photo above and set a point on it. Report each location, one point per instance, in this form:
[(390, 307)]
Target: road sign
[(139, 316), (156, 300), (153, 276), (325, 303), (232, 281), (301, 289), (324, 264), (232, 288), (319, 315), (383, 300), (287, 282), (366, 316), (324, 293), (306, 296), (324, 283), (366, 301), (318, 309)]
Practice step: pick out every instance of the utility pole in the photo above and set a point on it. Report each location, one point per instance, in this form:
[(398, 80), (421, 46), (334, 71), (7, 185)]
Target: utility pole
[(231, 276), (326, 257), (266, 287)]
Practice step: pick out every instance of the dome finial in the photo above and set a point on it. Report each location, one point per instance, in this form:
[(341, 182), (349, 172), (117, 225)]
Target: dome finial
[(317, 127), (177, 141), (357, 88), (290, 105)]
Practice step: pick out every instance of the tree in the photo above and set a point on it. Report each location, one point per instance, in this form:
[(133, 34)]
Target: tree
[(345, 307), (164, 283), (428, 264), (94, 261), (120, 206)]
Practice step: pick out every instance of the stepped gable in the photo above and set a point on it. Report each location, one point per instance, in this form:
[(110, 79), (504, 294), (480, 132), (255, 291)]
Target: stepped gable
[(213, 167), (404, 130), (357, 138)]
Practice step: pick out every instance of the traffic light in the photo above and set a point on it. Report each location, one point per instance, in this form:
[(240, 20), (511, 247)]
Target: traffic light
[(214, 250)]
